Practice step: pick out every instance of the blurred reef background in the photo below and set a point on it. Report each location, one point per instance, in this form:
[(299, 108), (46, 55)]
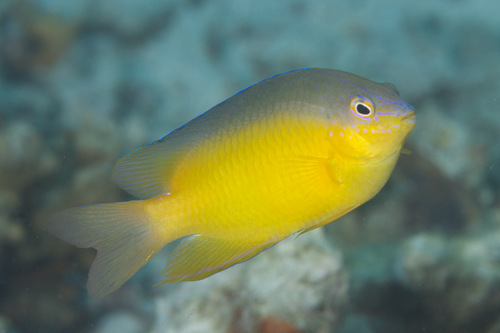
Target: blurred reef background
[(83, 82)]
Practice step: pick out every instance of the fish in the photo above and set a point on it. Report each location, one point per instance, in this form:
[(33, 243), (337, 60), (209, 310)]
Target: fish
[(282, 157)]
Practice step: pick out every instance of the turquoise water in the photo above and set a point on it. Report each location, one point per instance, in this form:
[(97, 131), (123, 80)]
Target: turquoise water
[(84, 82)]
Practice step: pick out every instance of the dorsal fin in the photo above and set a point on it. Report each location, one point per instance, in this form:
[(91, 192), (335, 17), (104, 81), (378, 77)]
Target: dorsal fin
[(146, 172)]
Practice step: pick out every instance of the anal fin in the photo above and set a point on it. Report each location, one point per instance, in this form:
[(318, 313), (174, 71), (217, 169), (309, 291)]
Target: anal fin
[(200, 256), (342, 213)]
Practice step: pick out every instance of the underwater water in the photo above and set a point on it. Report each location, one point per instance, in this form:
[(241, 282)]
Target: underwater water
[(84, 82)]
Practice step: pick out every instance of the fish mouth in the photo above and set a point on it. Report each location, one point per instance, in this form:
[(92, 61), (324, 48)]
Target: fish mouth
[(410, 117)]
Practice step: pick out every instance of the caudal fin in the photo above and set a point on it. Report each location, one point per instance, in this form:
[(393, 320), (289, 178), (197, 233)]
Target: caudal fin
[(122, 234)]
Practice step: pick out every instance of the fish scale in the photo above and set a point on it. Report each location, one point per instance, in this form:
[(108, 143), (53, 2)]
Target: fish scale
[(284, 156)]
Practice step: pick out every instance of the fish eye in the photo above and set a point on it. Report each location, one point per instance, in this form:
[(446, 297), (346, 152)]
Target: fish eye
[(362, 107)]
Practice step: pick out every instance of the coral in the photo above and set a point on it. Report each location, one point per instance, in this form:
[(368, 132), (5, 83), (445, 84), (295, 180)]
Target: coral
[(35, 41), (274, 325), (276, 284), (458, 278), (84, 82)]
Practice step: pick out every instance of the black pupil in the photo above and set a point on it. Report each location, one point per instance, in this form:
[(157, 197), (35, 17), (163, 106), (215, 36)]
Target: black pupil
[(363, 109)]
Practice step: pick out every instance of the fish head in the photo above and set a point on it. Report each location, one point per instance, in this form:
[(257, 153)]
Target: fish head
[(372, 121)]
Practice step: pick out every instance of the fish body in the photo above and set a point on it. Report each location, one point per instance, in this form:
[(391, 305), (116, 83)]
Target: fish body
[(286, 155)]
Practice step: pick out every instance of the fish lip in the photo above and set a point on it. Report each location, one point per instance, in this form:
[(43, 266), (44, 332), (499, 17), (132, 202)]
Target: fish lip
[(409, 116)]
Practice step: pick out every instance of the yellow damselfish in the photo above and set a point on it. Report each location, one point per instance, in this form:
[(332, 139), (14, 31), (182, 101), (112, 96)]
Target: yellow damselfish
[(286, 155)]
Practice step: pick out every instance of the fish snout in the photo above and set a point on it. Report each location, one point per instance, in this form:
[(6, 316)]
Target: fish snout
[(409, 115)]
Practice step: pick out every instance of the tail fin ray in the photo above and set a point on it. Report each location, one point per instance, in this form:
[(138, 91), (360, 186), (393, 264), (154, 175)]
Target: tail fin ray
[(120, 232)]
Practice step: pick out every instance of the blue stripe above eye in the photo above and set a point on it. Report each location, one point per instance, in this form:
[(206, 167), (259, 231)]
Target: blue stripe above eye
[(404, 105)]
